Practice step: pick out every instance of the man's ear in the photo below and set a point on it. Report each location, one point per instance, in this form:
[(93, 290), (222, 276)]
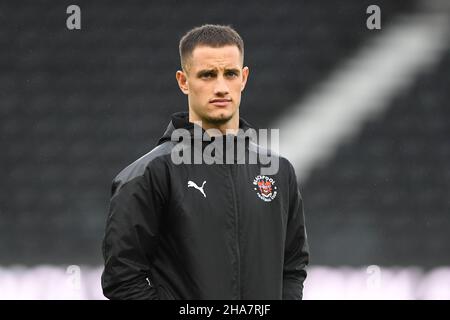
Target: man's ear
[(245, 73), (182, 81)]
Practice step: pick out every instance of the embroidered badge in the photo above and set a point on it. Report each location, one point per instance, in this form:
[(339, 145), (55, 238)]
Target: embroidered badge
[(265, 188)]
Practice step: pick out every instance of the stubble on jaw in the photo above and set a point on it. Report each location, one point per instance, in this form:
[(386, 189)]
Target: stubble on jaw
[(217, 121)]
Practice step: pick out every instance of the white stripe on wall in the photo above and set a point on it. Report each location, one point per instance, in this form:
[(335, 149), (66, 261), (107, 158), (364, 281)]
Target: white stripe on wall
[(360, 89), (336, 283)]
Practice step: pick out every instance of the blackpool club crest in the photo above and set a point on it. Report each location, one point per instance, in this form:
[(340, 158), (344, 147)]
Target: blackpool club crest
[(265, 188)]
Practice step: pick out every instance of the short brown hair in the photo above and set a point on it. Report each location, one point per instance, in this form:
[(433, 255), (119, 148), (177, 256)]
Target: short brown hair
[(211, 35)]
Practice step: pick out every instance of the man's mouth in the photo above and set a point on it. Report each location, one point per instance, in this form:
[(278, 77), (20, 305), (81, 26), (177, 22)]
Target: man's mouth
[(220, 102)]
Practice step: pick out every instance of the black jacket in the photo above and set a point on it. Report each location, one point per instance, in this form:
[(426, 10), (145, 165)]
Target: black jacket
[(232, 239)]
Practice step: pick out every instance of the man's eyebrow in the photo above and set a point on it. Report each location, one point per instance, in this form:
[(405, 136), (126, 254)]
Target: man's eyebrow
[(236, 70), (214, 71), (205, 71)]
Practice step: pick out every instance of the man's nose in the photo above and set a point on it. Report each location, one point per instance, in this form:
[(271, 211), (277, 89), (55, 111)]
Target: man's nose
[(221, 88)]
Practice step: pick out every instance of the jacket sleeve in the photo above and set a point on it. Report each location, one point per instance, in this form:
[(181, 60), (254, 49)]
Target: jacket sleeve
[(131, 237), (296, 256)]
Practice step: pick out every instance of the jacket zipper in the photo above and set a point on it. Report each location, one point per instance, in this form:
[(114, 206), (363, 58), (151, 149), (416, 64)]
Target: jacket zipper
[(236, 216)]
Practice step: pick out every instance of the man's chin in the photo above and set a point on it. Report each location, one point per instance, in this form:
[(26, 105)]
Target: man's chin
[(217, 119)]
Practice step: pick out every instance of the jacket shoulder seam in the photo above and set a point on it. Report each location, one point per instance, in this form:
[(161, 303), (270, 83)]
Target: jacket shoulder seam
[(138, 167)]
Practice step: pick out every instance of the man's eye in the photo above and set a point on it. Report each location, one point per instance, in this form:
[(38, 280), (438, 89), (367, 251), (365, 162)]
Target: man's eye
[(207, 75), (231, 74)]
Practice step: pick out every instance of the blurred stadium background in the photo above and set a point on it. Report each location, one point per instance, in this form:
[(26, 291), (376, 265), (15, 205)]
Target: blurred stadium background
[(363, 114)]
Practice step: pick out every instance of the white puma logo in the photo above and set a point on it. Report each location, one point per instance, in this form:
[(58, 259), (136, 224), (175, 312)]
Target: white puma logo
[(193, 184)]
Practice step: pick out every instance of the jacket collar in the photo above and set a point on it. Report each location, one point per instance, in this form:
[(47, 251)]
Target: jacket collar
[(181, 120)]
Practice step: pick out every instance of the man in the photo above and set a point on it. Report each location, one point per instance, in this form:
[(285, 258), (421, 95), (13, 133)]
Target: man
[(206, 231)]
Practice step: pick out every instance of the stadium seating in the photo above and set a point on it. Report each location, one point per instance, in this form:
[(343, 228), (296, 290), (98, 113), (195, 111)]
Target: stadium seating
[(384, 197), (78, 106)]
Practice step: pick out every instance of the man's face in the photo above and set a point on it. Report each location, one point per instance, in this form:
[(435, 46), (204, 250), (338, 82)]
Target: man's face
[(213, 79)]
